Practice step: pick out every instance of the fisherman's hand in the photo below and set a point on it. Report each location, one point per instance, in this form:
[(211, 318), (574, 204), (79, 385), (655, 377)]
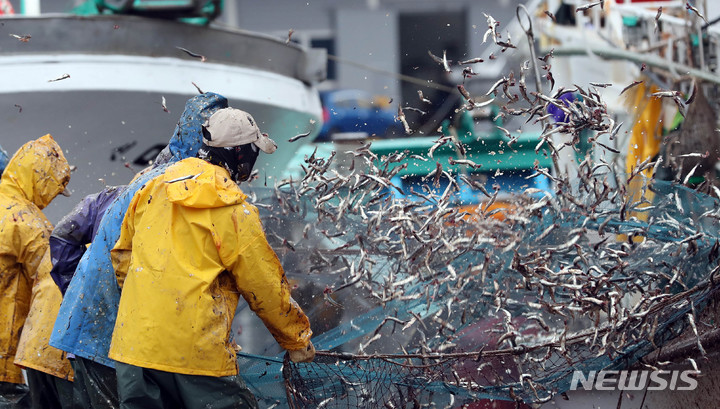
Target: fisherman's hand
[(303, 355)]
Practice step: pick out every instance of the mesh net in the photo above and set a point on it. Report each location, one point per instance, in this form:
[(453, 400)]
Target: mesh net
[(523, 373), (508, 312), (414, 300)]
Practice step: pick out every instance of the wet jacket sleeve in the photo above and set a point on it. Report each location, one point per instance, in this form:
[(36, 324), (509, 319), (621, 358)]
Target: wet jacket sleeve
[(69, 239), (33, 246), (261, 281), (120, 254)]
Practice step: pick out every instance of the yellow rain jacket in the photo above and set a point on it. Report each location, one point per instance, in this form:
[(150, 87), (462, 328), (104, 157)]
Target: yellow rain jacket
[(34, 176), (647, 129), (189, 244)]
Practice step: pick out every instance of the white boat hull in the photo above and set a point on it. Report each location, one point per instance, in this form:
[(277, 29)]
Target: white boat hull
[(109, 111)]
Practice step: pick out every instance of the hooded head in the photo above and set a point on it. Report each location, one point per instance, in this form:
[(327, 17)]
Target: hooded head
[(3, 160), (187, 138), (37, 172), (232, 140)]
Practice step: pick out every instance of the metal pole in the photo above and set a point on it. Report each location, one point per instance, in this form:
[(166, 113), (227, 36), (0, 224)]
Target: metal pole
[(538, 84), (649, 60), (701, 46), (531, 44)]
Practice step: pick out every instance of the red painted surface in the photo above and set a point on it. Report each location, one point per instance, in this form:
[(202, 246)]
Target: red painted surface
[(6, 8)]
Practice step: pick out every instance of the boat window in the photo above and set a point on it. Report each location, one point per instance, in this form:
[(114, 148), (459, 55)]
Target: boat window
[(565, 15), (146, 157), (329, 45)]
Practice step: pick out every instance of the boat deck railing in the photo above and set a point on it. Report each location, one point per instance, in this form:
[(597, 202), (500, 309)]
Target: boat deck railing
[(60, 34)]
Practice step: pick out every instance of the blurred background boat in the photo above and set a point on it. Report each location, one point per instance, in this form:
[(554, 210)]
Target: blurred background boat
[(110, 88)]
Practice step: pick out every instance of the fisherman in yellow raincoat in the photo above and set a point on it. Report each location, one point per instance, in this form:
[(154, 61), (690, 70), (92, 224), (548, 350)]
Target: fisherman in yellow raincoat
[(29, 299), (190, 244)]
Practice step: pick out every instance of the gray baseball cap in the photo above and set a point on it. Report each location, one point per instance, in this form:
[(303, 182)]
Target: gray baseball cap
[(230, 127)]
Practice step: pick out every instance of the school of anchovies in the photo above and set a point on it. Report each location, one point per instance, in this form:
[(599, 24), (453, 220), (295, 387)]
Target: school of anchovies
[(564, 277)]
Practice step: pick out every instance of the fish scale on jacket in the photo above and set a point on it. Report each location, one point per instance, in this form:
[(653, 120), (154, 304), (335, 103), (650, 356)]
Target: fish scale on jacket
[(87, 315), (30, 182)]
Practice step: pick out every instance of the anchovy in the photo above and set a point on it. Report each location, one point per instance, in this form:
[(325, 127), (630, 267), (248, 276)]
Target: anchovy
[(181, 178), (192, 54)]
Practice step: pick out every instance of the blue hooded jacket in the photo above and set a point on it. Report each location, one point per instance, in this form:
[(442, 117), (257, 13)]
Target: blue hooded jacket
[(4, 159), (86, 319)]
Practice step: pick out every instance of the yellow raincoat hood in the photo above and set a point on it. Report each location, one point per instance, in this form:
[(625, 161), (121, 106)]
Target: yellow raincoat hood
[(34, 176), (198, 185), (31, 174), (189, 246)]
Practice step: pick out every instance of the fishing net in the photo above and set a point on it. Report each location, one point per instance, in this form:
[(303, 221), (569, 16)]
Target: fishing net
[(487, 308), (415, 301), (524, 373)]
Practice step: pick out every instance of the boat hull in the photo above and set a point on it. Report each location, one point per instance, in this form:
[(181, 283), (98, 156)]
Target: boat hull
[(104, 105)]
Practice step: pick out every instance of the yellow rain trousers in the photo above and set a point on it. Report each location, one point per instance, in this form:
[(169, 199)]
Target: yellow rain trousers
[(647, 130), (35, 175), (645, 140), (189, 246)]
